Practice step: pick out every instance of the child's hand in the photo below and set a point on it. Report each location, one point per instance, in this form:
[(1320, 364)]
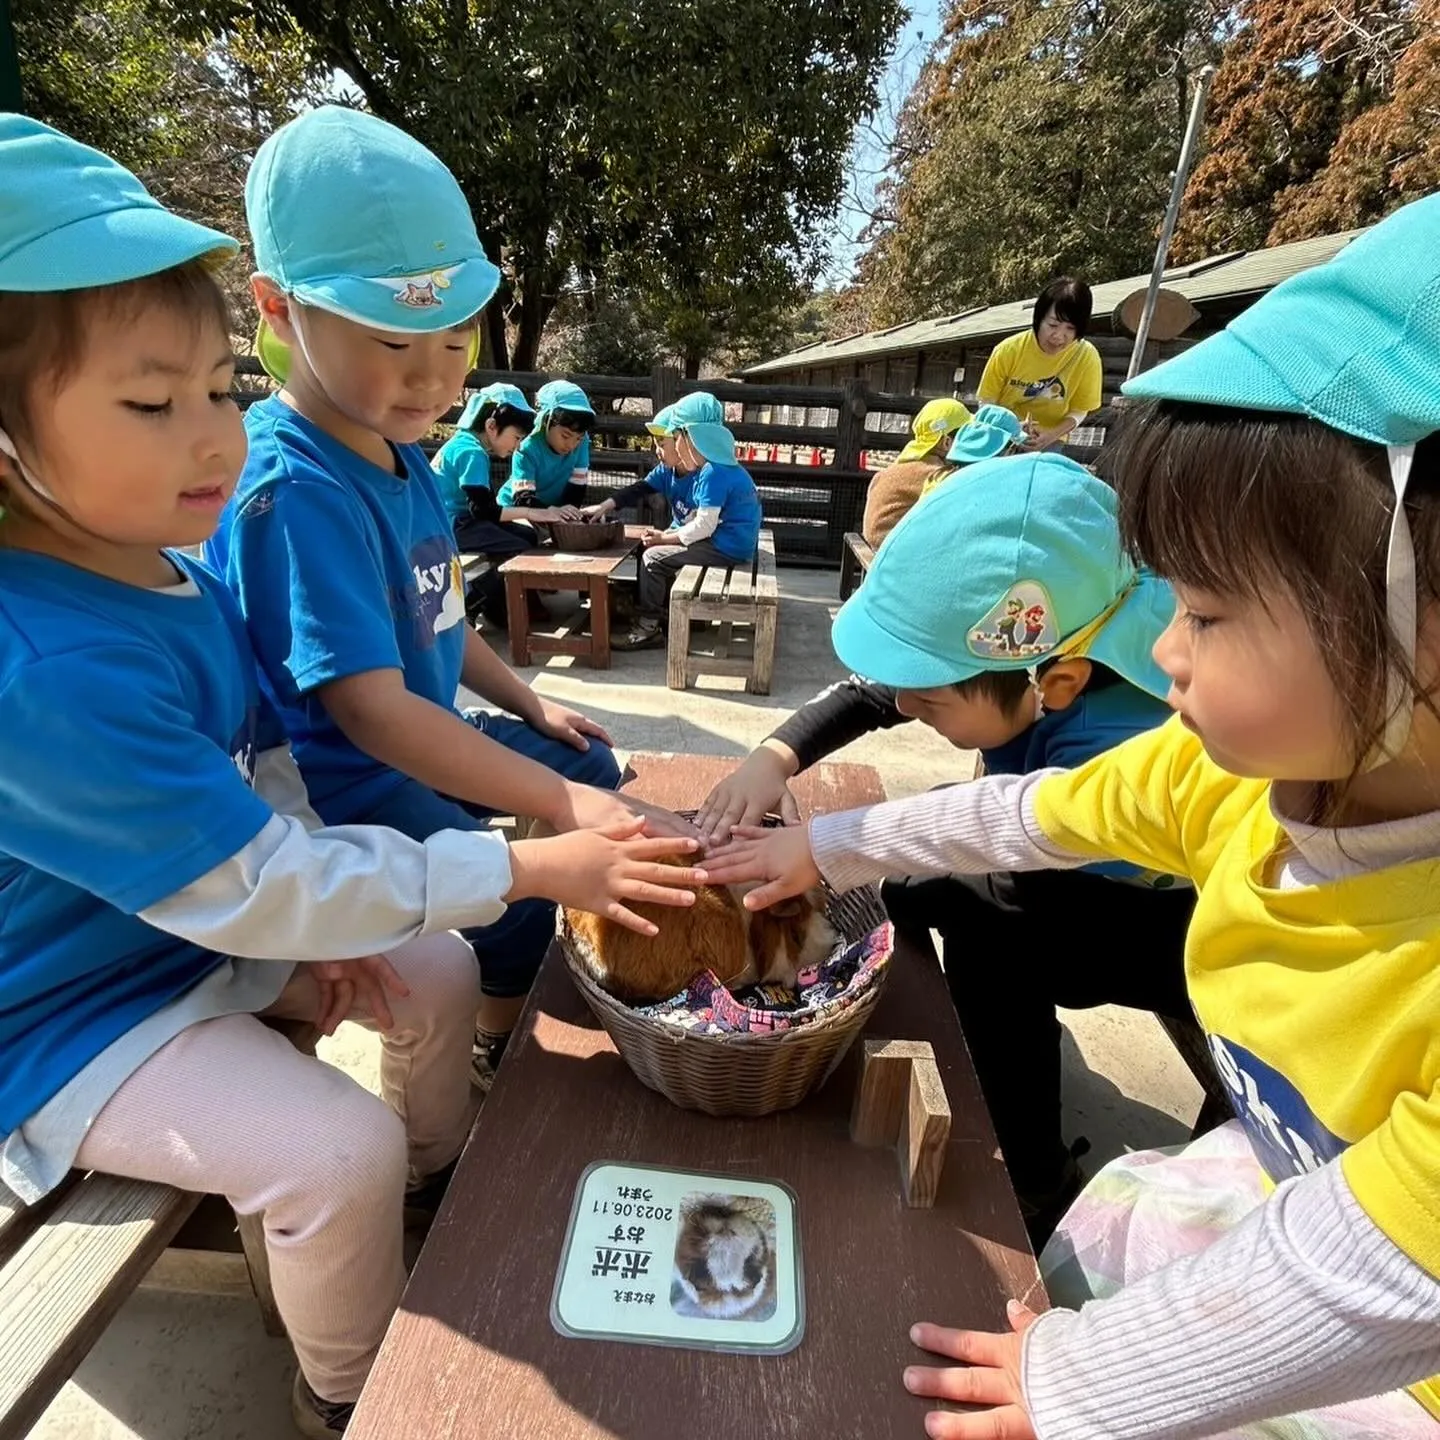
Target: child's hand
[(781, 858), (568, 513), (587, 807), (747, 796), (990, 1377), (654, 537), (598, 870), (559, 722), (597, 512), (347, 985)]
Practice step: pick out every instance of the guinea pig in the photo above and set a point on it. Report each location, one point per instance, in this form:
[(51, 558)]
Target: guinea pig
[(724, 1258), (717, 933)]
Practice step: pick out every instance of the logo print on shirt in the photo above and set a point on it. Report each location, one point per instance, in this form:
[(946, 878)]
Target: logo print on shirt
[(439, 596), (242, 746), (1288, 1138)]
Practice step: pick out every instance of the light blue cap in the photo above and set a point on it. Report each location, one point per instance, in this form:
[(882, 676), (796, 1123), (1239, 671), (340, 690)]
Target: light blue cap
[(353, 216), (992, 431), (713, 442), (696, 408), (1015, 561), (1352, 343), (500, 393), (71, 218), (560, 395)]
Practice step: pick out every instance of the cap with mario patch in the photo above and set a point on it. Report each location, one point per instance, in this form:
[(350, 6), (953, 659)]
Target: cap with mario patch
[(1013, 562), (353, 216)]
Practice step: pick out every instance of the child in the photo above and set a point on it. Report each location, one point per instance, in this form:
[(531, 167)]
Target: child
[(895, 489), (555, 451), (993, 432), (495, 420), (337, 544), (715, 512), (1286, 476), (929, 631), (1050, 375), (161, 871)]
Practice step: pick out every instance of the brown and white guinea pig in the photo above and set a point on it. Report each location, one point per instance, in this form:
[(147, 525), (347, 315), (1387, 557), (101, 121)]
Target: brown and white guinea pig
[(717, 933), (724, 1258)]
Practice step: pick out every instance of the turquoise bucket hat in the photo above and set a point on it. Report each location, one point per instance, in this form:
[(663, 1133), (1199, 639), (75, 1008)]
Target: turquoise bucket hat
[(1016, 562), (696, 408), (560, 395), (499, 393), (712, 442), (71, 218), (351, 215), (1353, 344), (993, 430)]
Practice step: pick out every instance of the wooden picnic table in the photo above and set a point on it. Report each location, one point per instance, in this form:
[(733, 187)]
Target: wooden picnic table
[(587, 571), (472, 1352)]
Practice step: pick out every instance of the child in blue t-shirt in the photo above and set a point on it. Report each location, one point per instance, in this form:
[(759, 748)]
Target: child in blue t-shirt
[(494, 421), (714, 509), (557, 449), (164, 882), (337, 543)]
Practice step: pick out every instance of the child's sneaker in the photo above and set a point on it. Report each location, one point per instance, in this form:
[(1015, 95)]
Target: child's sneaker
[(318, 1419), (641, 635), (485, 1060)]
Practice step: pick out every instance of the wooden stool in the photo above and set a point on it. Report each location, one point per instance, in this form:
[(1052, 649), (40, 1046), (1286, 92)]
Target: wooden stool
[(738, 595)]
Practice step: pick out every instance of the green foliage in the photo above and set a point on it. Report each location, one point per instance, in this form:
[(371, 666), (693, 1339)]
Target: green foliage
[(689, 151), (1039, 140)]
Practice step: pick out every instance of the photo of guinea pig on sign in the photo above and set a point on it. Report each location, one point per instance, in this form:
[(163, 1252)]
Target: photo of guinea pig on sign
[(724, 1258)]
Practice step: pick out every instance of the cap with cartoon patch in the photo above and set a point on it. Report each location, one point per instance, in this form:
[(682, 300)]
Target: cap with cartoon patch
[(1012, 562), (353, 216)]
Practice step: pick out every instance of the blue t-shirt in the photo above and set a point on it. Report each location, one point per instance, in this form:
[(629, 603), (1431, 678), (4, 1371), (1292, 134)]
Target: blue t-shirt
[(550, 471), (132, 720), (1100, 718), (340, 567), (462, 460), (726, 488)]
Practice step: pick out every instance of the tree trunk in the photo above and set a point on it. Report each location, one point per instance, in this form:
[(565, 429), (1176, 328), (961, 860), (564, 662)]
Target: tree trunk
[(496, 354), (535, 308), (692, 364)]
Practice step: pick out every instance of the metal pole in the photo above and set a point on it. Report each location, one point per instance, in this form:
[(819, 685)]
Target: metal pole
[(1172, 213)]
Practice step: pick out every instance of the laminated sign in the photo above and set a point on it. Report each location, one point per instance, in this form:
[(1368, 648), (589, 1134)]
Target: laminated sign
[(665, 1257)]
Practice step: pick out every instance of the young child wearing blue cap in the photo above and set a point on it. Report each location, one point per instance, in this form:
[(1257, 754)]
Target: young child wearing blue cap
[(337, 543), (714, 508), (1285, 476), (494, 421), (161, 870), (557, 449), (948, 643)]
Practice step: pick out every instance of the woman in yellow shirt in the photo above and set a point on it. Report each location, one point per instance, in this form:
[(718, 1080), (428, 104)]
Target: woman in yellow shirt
[(1049, 375)]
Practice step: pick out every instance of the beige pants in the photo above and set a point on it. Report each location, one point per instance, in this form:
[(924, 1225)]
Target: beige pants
[(230, 1107)]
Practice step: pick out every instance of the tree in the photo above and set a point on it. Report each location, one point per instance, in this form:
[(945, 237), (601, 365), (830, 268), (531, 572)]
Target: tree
[(1297, 75), (1326, 118), (185, 116), (1038, 140), (679, 148)]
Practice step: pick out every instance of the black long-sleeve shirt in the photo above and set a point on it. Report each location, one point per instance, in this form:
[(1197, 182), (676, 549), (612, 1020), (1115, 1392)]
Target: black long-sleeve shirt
[(837, 715)]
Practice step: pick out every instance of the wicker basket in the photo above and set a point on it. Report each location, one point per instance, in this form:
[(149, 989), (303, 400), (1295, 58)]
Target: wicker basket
[(586, 534), (743, 1074)]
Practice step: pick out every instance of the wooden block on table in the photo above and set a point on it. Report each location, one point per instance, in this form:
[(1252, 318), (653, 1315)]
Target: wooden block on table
[(883, 1095), (924, 1135)]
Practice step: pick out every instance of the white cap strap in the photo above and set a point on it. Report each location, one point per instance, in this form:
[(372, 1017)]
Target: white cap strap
[(1401, 612)]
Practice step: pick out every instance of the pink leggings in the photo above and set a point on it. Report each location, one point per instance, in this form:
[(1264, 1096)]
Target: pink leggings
[(230, 1107)]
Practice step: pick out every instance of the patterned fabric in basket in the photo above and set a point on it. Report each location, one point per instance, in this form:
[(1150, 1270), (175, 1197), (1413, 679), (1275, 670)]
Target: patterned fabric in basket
[(706, 1007)]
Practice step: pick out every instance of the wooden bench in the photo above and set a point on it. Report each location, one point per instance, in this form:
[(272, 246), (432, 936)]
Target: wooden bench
[(855, 562), (736, 595), (69, 1262)]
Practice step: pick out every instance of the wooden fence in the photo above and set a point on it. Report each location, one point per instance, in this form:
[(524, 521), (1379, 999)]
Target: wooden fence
[(809, 506)]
